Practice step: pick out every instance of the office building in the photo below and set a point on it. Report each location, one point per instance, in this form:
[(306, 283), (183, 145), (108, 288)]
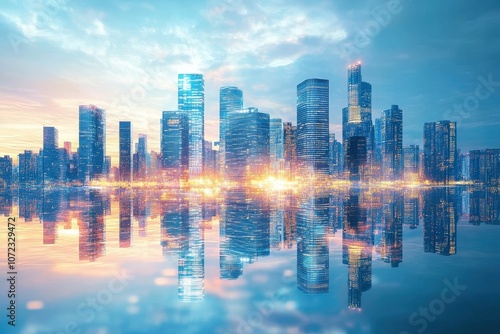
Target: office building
[(276, 145), (411, 155), (175, 145), (440, 151), (51, 163), (125, 134), (92, 143), (392, 144), (247, 145), (5, 172), (313, 127), (191, 100), (290, 148), (230, 100)]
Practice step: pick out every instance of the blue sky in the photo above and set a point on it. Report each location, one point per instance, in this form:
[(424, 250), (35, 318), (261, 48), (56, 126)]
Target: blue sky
[(425, 56)]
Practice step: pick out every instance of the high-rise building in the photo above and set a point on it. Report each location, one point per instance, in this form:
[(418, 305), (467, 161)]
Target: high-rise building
[(125, 134), (247, 145), (175, 145), (392, 144), (440, 151), (51, 163), (5, 172), (485, 167), (191, 100), (27, 169), (357, 117), (140, 158), (336, 156), (230, 100), (210, 157), (356, 157), (276, 144), (411, 161), (289, 148), (313, 126), (92, 141)]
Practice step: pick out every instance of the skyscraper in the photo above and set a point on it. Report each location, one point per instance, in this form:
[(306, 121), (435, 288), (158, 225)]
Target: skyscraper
[(92, 140), (411, 161), (289, 148), (51, 163), (356, 157), (175, 145), (5, 172), (247, 145), (191, 100), (27, 169), (335, 153), (440, 151), (357, 118), (313, 126), (276, 144), (392, 144), (485, 167), (125, 134), (230, 100), (140, 158)]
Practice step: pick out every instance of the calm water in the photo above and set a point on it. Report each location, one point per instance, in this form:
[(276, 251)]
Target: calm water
[(243, 261)]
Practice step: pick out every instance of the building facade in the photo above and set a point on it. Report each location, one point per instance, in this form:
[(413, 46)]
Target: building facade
[(313, 127), (191, 100)]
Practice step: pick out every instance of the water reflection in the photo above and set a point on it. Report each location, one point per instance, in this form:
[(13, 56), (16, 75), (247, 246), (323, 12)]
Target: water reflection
[(440, 214), (217, 243)]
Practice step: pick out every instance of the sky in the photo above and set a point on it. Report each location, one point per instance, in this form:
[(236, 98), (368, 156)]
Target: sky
[(436, 60)]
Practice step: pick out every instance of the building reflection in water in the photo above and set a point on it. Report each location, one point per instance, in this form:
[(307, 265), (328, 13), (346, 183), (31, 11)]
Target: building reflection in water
[(253, 223), (392, 232), (191, 261), (5, 202), (182, 237), (91, 224), (125, 221), (440, 216), (357, 236), (245, 230), (484, 207), (141, 210), (313, 260), (411, 210)]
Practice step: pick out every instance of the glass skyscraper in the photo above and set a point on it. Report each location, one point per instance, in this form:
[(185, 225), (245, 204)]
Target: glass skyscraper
[(51, 163), (230, 100), (357, 117), (5, 172), (313, 126), (290, 148), (276, 144), (440, 151), (247, 145), (175, 144), (392, 144), (92, 140), (191, 100), (411, 155), (125, 134)]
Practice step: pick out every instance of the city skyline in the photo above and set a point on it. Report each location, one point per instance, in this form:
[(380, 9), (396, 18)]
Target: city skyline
[(287, 56)]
